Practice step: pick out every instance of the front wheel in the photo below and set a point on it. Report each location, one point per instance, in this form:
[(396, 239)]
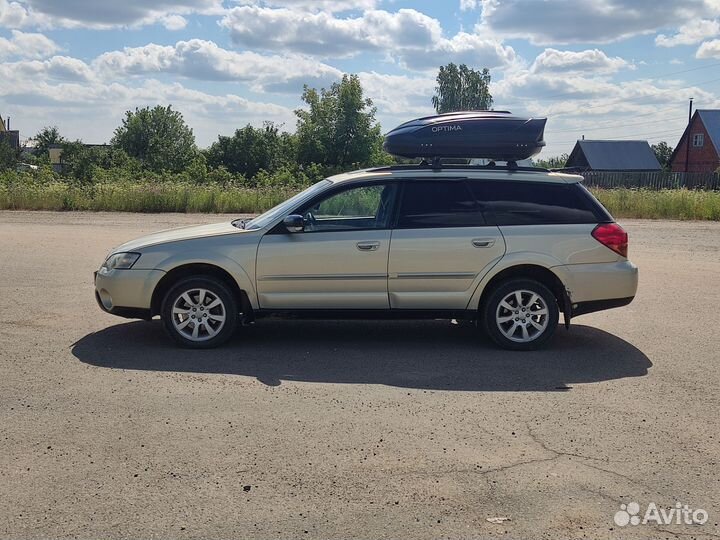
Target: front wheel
[(200, 312), (521, 314)]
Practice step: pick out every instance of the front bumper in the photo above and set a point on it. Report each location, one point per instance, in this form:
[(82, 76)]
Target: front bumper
[(127, 293)]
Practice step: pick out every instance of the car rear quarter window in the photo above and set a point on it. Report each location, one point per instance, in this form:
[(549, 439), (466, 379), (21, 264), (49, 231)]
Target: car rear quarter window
[(438, 204), (533, 203)]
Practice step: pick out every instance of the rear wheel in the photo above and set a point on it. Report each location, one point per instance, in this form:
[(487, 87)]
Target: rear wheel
[(200, 312), (521, 314)]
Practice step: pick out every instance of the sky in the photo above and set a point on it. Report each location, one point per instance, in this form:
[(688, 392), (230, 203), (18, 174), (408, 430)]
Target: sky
[(602, 69)]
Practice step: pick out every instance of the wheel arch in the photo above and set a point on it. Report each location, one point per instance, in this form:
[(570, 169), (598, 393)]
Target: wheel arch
[(539, 273), (195, 270)]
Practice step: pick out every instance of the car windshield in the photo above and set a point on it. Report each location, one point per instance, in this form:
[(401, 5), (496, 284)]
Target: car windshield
[(263, 219)]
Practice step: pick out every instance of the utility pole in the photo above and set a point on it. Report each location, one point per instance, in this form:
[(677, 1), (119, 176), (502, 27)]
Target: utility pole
[(687, 139)]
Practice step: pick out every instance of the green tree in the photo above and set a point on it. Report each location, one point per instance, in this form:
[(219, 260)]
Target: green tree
[(251, 150), (197, 170), (555, 162), (663, 153), (47, 136), (460, 88), (79, 160), (158, 137), (339, 128)]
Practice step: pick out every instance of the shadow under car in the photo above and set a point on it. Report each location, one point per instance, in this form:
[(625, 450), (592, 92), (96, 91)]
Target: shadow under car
[(410, 354)]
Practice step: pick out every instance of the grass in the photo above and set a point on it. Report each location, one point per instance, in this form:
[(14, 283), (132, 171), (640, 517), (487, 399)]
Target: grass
[(683, 204), (171, 196), (140, 197)]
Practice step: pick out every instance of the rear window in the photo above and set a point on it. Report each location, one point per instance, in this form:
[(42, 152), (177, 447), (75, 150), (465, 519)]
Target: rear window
[(533, 203), (431, 204)]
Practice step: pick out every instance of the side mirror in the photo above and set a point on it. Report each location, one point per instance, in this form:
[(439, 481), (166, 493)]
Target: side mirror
[(294, 223)]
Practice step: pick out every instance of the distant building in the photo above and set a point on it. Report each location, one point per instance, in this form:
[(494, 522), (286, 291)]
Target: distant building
[(6, 134), (629, 156), (55, 154), (703, 132)]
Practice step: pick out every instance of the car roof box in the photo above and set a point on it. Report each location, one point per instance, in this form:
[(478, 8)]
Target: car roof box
[(495, 135)]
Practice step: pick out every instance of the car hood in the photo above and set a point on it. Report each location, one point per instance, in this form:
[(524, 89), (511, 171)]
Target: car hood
[(175, 235)]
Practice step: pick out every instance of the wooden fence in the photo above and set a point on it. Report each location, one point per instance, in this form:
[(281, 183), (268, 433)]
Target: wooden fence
[(652, 180)]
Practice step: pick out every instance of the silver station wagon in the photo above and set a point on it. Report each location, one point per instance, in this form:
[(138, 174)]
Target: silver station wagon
[(507, 248)]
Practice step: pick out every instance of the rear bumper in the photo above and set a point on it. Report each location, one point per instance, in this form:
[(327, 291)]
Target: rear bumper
[(127, 293), (594, 284)]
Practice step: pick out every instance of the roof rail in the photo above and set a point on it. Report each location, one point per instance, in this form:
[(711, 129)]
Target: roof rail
[(425, 166)]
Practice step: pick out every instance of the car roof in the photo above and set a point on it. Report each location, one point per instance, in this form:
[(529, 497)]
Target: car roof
[(409, 173)]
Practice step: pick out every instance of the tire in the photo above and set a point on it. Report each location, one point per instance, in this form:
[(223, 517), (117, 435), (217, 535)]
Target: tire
[(529, 326), (205, 299)]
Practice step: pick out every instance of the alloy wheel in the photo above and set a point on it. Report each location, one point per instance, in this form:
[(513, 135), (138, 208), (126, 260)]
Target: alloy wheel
[(522, 316), (198, 314)]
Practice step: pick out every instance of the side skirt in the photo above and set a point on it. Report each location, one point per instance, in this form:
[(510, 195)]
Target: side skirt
[(367, 314)]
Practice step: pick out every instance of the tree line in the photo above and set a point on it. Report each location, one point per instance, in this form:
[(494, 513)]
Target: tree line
[(336, 130)]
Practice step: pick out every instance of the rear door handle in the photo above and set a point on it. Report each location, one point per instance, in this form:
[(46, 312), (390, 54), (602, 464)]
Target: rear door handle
[(483, 242), (368, 246)]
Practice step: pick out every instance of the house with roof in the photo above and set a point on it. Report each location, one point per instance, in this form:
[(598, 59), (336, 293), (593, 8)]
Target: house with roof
[(604, 155), (703, 152), (12, 137)]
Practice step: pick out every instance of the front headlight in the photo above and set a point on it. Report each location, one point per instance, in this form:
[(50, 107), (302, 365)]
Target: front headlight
[(121, 261)]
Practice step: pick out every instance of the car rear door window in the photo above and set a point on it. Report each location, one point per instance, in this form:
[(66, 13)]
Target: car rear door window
[(532, 203), (438, 204)]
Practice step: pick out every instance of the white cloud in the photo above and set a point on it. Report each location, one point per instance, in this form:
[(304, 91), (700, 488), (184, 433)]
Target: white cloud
[(315, 5), (398, 95), (324, 34), (101, 14), (599, 108), (90, 110), (27, 45), (593, 60), (690, 33), (709, 49), (591, 96), (588, 21), (57, 68), (174, 22), (14, 15), (413, 38), (467, 5), (204, 60), (463, 48)]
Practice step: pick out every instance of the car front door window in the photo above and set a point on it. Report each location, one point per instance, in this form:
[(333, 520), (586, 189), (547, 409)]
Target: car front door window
[(359, 208)]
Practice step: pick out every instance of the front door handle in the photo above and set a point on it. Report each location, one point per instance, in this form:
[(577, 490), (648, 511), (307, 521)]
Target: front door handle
[(483, 242), (368, 246)]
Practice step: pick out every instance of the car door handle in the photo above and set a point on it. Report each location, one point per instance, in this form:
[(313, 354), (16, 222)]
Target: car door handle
[(368, 246), (483, 242)]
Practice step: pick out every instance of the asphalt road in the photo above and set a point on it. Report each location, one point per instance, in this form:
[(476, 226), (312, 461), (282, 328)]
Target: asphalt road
[(350, 429)]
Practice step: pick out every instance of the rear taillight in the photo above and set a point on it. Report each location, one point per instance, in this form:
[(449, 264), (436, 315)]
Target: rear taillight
[(613, 236)]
